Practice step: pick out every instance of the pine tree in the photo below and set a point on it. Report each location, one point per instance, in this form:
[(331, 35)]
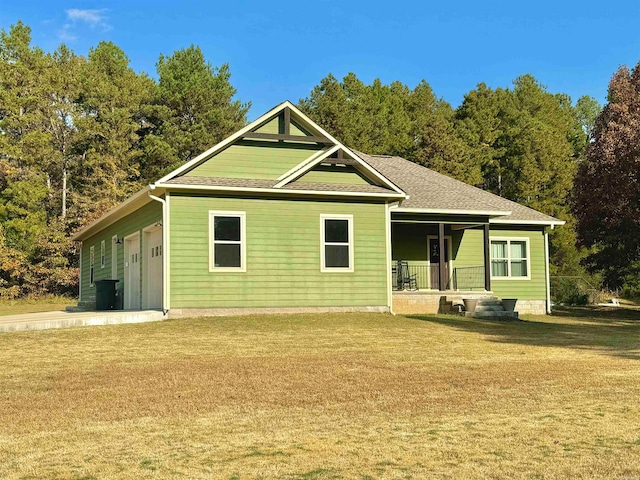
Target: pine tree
[(114, 100), (194, 110)]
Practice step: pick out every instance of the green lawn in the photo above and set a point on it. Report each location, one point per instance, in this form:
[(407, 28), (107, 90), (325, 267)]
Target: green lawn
[(324, 397), (34, 305)]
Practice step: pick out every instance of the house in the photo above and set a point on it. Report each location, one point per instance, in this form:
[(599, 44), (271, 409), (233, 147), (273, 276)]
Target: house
[(281, 217)]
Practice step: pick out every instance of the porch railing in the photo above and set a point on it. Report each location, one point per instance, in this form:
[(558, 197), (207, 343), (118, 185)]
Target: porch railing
[(468, 278), (427, 277)]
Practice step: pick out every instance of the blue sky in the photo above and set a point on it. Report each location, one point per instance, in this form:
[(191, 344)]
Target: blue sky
[(280, 50)]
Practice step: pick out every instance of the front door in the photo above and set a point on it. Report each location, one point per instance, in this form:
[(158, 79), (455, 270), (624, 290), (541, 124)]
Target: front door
[(434, 262), (153, 269), (132, 273)]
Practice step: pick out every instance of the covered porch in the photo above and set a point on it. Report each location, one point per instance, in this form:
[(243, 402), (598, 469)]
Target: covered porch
[(416, 245), (423, 279)]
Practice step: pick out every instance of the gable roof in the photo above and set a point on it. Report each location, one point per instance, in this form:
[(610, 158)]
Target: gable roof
[(419, 189), (298, 170), (430, 191)]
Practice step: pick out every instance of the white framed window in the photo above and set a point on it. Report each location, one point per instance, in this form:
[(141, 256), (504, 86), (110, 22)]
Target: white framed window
[(92, 263), (103, 254), (510, 258), (336, 243), (227, 243)]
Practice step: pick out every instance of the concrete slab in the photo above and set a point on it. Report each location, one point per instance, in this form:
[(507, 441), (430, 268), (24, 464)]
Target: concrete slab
[(62, 319)]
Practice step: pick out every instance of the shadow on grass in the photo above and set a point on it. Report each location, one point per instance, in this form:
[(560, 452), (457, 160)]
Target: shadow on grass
[(612, 331)]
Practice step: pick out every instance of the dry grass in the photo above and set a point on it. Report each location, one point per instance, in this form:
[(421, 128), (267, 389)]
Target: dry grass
[(325, 396), (34, 305)]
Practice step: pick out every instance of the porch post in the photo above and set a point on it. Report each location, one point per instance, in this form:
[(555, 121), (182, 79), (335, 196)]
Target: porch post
[(443, 273), (487, 259)]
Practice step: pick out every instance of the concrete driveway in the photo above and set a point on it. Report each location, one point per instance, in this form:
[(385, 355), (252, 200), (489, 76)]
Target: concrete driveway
[(63, 319)]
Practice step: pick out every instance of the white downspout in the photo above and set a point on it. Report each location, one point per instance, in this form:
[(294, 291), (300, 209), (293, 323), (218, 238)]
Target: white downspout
[(546, 270), (165, 250), (387, 219)]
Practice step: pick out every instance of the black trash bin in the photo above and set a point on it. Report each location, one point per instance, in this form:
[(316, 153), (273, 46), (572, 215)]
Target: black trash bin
[(106, 294)]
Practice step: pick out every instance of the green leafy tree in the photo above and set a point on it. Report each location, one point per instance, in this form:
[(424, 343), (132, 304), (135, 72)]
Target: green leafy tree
[(607, 190)]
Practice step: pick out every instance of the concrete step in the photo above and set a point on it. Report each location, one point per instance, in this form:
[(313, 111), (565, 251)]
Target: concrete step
[(489, 308), (478, 296), (489, 301)]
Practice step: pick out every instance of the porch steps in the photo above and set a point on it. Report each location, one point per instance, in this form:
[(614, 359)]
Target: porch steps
[(487, 307)]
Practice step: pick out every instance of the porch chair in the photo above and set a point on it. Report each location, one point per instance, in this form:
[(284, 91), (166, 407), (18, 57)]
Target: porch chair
[(405, 279)]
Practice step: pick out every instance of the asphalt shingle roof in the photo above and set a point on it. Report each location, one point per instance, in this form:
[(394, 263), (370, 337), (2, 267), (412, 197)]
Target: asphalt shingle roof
[(428, 189), (269, 184)]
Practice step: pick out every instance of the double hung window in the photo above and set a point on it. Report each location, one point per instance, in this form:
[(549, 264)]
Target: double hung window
[(510, 258), (336, 243), (227, 241)]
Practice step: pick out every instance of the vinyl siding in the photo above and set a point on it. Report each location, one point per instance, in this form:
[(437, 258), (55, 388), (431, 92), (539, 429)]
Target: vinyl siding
[(272, 126), (135, 221), (409, 243), (283, 255), (468, 248), (260, 160), (276, 126), (534, 289)]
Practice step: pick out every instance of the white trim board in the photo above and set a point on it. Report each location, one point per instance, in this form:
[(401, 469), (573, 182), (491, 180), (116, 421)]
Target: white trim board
[(451, 211), (272, 191), (507, 221), (303, 167)]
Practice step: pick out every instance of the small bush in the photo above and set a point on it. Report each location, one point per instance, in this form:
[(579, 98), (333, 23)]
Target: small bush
[(568, 291)]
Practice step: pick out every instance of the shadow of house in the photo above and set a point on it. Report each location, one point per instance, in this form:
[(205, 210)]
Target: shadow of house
[(612, 332)]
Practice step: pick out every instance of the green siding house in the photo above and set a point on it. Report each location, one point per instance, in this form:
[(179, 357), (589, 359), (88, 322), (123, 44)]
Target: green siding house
[(282, 217)]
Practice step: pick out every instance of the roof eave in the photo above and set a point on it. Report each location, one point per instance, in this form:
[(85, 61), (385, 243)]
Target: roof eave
[(278, 191), (514, 221), (130, 204), (452, 211)]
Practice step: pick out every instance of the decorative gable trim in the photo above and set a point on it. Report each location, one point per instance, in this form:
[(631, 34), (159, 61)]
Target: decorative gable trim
[(302, 168), (320, 136)]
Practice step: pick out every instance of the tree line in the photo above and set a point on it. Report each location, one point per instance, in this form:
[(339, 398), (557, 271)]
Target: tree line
[(79, 134)]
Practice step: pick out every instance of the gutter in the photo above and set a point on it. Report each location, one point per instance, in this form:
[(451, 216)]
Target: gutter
[(165, 249)]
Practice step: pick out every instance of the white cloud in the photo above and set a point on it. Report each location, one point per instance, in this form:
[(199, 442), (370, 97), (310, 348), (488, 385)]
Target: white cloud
[(94, 18)]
